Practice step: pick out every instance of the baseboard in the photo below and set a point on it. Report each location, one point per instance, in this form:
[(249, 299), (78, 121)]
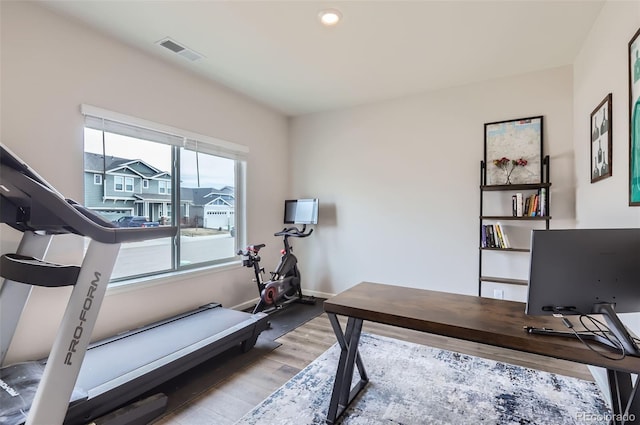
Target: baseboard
[(317, 294), (248, 304)]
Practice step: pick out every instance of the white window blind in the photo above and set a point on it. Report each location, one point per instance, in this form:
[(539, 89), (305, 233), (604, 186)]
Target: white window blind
[(114, 122)]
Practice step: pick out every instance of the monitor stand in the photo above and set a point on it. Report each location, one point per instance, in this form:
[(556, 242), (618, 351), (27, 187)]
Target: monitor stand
[(617, 328)]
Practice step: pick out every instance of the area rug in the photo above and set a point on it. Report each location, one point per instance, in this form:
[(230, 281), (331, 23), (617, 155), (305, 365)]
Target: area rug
[(412, 384)]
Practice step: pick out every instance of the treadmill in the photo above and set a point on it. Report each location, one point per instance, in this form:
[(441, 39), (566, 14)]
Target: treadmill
[(79, 382)]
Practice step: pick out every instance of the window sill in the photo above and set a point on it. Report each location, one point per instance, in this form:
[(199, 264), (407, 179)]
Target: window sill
[(164, 278)]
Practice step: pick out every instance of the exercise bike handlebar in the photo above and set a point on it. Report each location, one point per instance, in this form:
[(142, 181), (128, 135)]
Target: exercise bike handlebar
[(251, 249), (295, 232)]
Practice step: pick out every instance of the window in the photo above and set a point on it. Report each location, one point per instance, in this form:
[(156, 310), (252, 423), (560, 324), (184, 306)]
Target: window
[(128, 184), (118, 183), (192, 181), (164, 187), (97, 179)]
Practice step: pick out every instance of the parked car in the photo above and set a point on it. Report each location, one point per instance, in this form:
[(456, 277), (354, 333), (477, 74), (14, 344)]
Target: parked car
[(135, 221)]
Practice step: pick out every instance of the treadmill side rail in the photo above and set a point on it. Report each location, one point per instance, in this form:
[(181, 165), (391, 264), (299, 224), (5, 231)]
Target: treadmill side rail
[(63, 365), (14, 295)]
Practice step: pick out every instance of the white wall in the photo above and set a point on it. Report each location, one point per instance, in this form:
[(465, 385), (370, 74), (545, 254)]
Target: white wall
[(398, 181), (602, 68), (51, 65), (599, 69)]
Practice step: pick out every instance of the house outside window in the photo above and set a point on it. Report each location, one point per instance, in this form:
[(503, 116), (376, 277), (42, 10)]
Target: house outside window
[(141, 163), (97, 179)]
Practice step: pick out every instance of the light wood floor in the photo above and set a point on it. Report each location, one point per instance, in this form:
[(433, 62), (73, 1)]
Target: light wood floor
[(232, 397)]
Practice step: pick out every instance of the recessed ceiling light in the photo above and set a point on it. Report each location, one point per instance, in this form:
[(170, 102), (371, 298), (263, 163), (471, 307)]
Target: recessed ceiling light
[(329, 17)]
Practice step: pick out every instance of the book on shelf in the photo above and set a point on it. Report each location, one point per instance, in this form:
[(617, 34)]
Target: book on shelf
[(483, 236), (490, 236), (494, 236), (503, 236), (531, 205), (486, 235), (534, 206), (543, 202), (499, 233)]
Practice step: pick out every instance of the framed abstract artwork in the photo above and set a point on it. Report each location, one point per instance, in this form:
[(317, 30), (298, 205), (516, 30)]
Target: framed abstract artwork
[(634, 120), (513, 151)]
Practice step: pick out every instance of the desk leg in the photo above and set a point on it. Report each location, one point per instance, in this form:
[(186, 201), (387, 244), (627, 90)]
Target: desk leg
[(625, 406), (343, 394)]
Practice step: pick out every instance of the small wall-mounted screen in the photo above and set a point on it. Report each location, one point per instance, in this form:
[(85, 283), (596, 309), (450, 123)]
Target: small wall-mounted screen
[(301, 211)]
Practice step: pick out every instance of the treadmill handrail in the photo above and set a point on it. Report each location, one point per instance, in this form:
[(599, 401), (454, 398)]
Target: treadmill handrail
[(90, 225), (10, 159)]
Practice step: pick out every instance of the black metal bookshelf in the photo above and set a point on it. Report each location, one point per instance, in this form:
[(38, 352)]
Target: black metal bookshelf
[(528, 187)]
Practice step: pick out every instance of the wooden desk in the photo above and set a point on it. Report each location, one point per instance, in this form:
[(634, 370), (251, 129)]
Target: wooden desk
[(488, 321)]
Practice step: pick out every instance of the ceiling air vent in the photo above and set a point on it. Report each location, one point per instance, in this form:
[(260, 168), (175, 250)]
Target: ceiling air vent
[(180, 49)]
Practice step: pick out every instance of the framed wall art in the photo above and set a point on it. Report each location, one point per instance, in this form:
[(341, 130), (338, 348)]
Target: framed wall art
[(634, 120), (513, 151), (601, 141)]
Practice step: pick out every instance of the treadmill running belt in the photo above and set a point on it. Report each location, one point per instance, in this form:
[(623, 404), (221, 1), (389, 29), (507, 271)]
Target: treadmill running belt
[(119, 369)]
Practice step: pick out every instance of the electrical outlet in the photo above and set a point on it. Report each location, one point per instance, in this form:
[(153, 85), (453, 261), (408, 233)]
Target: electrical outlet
[(498, 294)]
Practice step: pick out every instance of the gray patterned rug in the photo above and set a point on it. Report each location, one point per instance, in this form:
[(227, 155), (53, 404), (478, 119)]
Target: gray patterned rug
[(412, 384)]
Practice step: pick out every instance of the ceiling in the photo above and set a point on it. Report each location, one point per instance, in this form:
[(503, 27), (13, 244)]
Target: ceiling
[(277, 53)]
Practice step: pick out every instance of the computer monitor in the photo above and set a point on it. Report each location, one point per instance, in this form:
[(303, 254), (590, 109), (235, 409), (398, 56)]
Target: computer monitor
[(586, 271), (301, 211)]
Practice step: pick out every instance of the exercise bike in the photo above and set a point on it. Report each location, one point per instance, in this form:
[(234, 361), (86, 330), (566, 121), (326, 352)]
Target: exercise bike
[(284, 285)]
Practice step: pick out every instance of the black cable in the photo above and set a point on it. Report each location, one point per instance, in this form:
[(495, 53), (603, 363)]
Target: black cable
[(602, 328), (603, 333), (600, 353)]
